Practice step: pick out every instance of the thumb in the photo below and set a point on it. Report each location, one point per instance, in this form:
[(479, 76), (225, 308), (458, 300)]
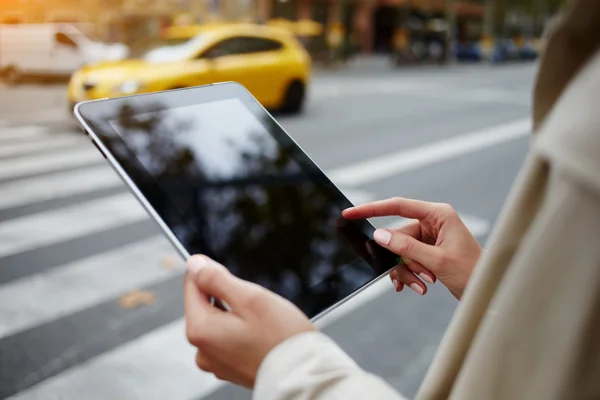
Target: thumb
[(408, 247), (213, 279)]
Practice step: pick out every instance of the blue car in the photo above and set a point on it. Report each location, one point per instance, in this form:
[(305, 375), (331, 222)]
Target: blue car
[(468, 52), (506, 50)]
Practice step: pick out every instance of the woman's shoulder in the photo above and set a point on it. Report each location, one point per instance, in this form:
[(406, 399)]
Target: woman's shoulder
[(569, 137)]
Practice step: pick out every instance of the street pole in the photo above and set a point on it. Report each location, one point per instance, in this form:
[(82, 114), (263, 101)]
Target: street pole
[(450, 23), (488, 18)]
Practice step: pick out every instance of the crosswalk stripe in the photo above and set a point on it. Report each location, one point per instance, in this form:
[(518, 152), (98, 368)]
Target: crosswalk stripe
[(389, 165), (58, 185), (19, 132), (50, 162), (97, 279), (420, 89), (81, 219), (159, 365), (49, 143), (41, 298)]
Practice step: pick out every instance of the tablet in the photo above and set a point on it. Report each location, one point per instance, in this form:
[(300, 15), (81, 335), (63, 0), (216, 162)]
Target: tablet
[(220, 177)]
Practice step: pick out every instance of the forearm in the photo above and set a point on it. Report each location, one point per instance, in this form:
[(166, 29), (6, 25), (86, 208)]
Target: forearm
[(312, 366)]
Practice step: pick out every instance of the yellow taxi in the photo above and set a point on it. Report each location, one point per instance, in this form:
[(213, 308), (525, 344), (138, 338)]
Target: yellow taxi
[(268, 61), (178, 34)]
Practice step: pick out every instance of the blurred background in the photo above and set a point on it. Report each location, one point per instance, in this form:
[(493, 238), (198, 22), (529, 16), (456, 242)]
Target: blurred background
[(427, 99)]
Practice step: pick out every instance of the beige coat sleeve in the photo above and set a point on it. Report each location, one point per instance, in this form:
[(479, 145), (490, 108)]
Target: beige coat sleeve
[(539, 338), (311, 366), (529, 322)]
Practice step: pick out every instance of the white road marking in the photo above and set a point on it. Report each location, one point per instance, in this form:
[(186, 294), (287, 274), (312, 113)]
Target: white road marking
[(50, 143), (67, 223), (58, 185), (421, 89), (50, 114), (417, 366), (18, 132), (37, 299), (159, 365), (476, 96), (51, 162), (389, 165)]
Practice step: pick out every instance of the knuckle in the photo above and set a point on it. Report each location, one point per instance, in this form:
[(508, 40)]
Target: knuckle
[(209, 277), (396, 200), (404, 245), (202, 362), (257, 301), (444, 261), (220, 375), (447, 209), (405, 275), (196, 337)]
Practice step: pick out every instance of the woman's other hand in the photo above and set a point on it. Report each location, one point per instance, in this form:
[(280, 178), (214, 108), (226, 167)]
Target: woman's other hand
[(436, 244), (232, 345)]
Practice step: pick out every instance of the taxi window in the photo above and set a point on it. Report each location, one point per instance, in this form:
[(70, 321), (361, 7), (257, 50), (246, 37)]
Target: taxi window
[(242, 45), (168, 51)]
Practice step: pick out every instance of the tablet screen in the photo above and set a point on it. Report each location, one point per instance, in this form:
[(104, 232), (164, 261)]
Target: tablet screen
[(227, 187)]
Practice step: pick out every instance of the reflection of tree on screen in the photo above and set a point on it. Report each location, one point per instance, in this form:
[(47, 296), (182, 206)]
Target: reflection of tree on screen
[(284, 222), (152, 155), (270, 223), (152, 135)]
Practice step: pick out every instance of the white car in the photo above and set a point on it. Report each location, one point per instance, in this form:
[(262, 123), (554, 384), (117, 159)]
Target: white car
[(50, 50)]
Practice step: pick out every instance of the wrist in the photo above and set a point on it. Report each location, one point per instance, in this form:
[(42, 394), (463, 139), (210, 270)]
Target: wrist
[(458, 292)]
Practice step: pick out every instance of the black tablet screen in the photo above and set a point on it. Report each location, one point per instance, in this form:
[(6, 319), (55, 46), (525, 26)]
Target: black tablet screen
[(230, 188)]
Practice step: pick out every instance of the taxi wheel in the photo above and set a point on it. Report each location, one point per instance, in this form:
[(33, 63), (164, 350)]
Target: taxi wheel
[(294, 98)]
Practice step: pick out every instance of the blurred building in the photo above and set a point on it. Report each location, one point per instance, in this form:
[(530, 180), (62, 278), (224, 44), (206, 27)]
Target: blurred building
[(111, 19), (369, 24), (421, 17)]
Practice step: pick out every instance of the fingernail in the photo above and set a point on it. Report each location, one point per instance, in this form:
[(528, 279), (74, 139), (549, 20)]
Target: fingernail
[(196, 263), (417, 288), (395, 283), (405, 260), (426, 277), (382, 236)]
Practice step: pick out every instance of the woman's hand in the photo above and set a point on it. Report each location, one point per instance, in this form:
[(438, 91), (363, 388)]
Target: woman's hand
[(436, 244), (232, 345)]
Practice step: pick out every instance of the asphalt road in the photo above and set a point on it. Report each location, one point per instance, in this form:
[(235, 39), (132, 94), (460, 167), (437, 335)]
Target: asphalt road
[(90, 292)]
